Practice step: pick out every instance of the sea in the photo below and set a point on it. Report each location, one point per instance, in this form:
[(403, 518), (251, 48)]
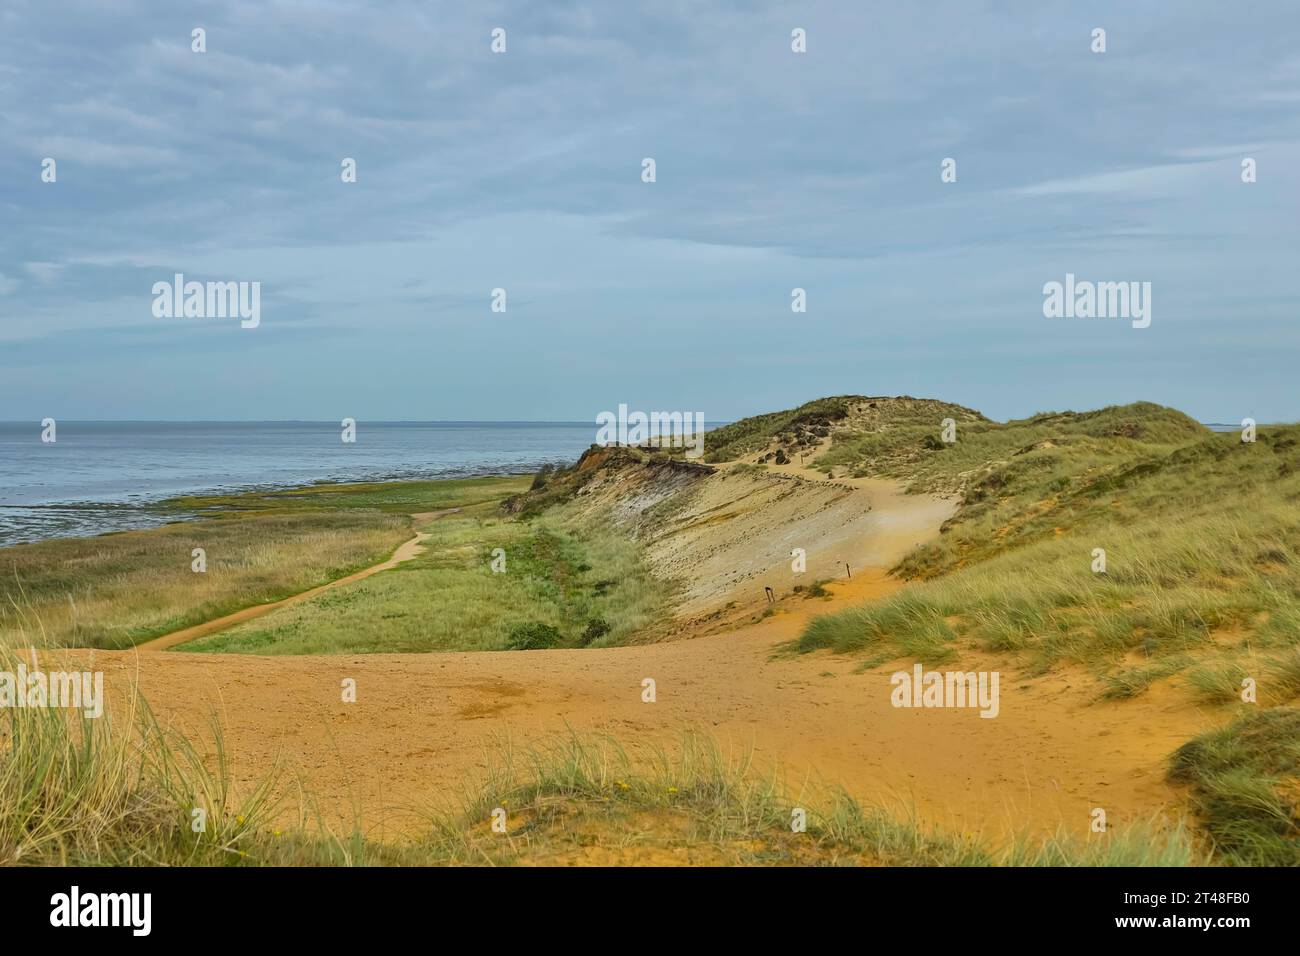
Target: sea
[(98, 477)]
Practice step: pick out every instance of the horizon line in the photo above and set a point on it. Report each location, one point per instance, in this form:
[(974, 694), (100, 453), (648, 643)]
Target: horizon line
[(325, 421)]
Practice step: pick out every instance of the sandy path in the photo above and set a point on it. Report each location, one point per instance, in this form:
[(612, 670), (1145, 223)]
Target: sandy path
[(425, 725), (405, 552)]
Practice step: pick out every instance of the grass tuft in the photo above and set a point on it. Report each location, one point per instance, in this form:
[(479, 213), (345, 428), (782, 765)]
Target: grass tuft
[(1245, 786)]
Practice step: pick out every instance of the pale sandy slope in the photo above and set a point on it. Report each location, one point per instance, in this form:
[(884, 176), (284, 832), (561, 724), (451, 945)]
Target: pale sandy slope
[(425, 725)]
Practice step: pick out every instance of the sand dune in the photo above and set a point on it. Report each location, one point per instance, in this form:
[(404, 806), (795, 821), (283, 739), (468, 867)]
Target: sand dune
[(424, 724)]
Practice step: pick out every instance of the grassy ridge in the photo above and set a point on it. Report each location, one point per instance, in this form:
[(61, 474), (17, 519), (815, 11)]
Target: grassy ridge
[(1201, 585), (739, 438), (905, 442), (851, 419), (1202, 549)]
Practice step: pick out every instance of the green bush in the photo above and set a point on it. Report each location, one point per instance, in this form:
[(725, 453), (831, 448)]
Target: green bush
[(533, 636), (597, 628)]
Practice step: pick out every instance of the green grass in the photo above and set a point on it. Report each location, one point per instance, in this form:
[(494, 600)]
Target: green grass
[(404, 497), (583, 580), (117, 590), (578, 577), (988, 457), (729, 442), (1201, 586), (851, 418), (1128, 682), (1245, 785), (1218, 682), (1202, 550)]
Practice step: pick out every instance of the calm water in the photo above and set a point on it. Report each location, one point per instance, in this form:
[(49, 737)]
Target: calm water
[(103, 476)]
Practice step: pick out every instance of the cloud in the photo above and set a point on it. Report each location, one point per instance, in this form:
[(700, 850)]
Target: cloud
[(774, 169), (1149, 181)]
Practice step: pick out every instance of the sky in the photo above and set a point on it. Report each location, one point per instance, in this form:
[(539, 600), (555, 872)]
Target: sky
[(522, 170)]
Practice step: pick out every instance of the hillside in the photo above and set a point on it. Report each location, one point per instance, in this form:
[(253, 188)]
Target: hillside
[(805, 429), (1131, 542), (722, 535), (982, 552)]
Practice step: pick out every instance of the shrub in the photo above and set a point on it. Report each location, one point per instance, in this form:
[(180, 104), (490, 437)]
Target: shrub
[(597, 628), (541, 478), (533, 636)]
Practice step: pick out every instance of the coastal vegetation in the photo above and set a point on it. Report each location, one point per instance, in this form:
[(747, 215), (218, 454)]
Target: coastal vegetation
[(481, 583), (1131, 541), (117, 590)]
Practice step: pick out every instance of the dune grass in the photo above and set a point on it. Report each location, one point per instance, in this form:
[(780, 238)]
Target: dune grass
[(906, 444), (583, 800), (565, 583), (851, 418), (748, 435), (1045, 601), (1245, 785), (1202, 567), (1200, 587), (81, 791)]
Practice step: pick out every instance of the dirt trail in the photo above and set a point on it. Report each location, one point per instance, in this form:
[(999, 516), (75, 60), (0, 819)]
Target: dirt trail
[(405, 552), (424, 725)]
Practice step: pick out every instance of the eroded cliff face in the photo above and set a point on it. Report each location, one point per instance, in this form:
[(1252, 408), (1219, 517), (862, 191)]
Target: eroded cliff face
[(724, 535)]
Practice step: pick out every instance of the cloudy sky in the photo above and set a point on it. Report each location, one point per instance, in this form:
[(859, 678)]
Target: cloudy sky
[(522, 170)]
